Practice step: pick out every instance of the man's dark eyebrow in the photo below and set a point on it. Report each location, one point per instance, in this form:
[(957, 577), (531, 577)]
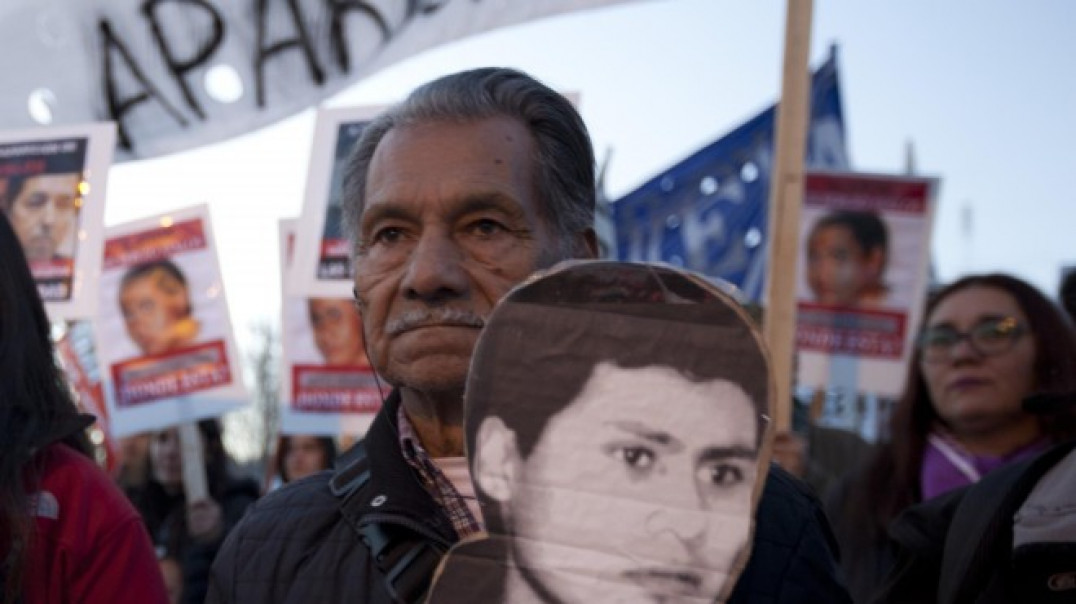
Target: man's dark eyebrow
[(663, 439), (720, 453)]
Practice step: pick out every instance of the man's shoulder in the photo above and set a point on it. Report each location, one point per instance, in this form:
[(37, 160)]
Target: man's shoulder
[(793, 556)]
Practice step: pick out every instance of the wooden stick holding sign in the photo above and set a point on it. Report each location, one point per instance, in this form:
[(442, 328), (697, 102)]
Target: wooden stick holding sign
[(786, 197), (194, 479)]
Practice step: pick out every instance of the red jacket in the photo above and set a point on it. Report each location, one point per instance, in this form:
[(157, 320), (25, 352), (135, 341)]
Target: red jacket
[(90, 545)]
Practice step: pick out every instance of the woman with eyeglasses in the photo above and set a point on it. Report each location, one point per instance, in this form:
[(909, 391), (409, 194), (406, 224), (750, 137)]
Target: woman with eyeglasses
[(988, 342)]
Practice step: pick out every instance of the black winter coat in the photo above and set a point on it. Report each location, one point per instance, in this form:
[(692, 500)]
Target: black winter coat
[(304, 544)]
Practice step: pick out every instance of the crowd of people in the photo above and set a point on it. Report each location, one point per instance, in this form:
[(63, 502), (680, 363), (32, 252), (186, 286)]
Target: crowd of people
[(452, 199)]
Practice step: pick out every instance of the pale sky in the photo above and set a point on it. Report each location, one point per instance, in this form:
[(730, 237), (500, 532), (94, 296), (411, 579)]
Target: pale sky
[(985, 90)]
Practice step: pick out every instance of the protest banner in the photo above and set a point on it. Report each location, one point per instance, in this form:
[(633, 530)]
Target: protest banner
[(862, 278), (175, 74), (167, 339), (616, 418), (322, 262), (328, 385), (52, 189), (708, 213)]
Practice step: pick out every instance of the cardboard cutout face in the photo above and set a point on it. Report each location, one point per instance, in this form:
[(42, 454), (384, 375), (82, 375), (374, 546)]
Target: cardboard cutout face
[(615, 427)]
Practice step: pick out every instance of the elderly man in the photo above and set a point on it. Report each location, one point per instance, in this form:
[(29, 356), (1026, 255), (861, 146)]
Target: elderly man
[(451, 198)]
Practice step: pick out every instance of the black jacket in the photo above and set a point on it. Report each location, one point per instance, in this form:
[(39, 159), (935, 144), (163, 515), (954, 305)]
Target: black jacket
[(957, 548), (302, 543), (165, 519)]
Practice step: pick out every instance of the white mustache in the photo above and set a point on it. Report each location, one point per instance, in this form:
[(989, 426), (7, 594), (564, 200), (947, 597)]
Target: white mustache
[(453, 317)]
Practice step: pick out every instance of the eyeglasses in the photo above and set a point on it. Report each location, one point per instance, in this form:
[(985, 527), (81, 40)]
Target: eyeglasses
[(989, 337)]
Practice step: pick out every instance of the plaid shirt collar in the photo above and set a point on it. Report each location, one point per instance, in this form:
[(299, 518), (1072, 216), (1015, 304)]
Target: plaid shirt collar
[(435, 482)]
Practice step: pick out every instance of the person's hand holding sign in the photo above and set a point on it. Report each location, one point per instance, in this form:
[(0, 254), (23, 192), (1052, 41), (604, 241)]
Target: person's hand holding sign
[(205, 521)]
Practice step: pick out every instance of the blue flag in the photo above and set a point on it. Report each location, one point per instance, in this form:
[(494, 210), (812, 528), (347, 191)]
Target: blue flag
[(708, 213)]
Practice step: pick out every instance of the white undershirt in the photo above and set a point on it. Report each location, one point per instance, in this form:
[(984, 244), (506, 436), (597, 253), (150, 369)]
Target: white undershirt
[(456, 471)]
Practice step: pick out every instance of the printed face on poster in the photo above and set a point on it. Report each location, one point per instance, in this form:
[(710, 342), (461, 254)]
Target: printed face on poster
[(167, 342), (52, 190), (329, 386), (322, 263), (862, 277), (616, 434)]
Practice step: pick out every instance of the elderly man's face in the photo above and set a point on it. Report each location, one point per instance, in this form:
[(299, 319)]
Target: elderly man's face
[(639, 491), (451, 223), (44, 213)]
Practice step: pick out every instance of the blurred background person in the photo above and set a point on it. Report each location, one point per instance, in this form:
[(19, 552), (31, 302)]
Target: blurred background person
[(337, 331), (188, 534), (298, 456), (43, 210), (156, 304), (66, 532), (988, 342), (847, 253)]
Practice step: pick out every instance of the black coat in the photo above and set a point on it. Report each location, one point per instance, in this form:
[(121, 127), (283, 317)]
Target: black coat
[(302, 543), (165, 518), (958, 547)]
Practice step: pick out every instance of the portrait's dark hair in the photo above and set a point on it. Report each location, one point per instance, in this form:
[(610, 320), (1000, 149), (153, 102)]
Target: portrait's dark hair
[(542, 343), (36, 405), (892, 481), (328, 451), (563, 159), (867, 228), (140, 271)]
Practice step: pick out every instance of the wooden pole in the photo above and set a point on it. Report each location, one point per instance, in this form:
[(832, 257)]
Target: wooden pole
[(786, 195), (194, 480)]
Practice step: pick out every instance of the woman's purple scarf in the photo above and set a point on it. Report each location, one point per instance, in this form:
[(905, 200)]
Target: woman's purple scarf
[(948, 465)]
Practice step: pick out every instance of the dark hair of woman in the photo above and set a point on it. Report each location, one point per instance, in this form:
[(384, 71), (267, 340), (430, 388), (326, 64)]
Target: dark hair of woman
[(892, 479), (328, 451), (36, 405)]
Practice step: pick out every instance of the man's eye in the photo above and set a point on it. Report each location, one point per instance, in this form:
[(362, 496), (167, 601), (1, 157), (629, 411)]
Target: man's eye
[(388, 235), (639, 458), (487, 227), (721, 474)]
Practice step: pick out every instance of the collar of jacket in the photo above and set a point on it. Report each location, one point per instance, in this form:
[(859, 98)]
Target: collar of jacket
[(393, 492)]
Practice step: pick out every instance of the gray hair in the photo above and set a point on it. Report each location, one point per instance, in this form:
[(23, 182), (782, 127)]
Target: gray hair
[(564, 157)]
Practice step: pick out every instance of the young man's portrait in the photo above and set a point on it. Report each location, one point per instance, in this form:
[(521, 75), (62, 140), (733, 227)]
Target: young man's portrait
[(615, 444)]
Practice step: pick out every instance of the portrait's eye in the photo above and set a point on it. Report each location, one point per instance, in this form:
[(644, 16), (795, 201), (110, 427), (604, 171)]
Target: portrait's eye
[(633, 456), (36, 200), (721, 474)]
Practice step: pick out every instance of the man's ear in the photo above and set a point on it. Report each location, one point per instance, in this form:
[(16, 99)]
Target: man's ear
[(497, 459)]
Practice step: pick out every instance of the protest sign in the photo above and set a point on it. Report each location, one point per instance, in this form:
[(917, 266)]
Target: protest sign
[(77, 349), (708, 213), (862, 278), (616, 418), (167, 339), (52, 189), (329, 387), (322, 262)]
